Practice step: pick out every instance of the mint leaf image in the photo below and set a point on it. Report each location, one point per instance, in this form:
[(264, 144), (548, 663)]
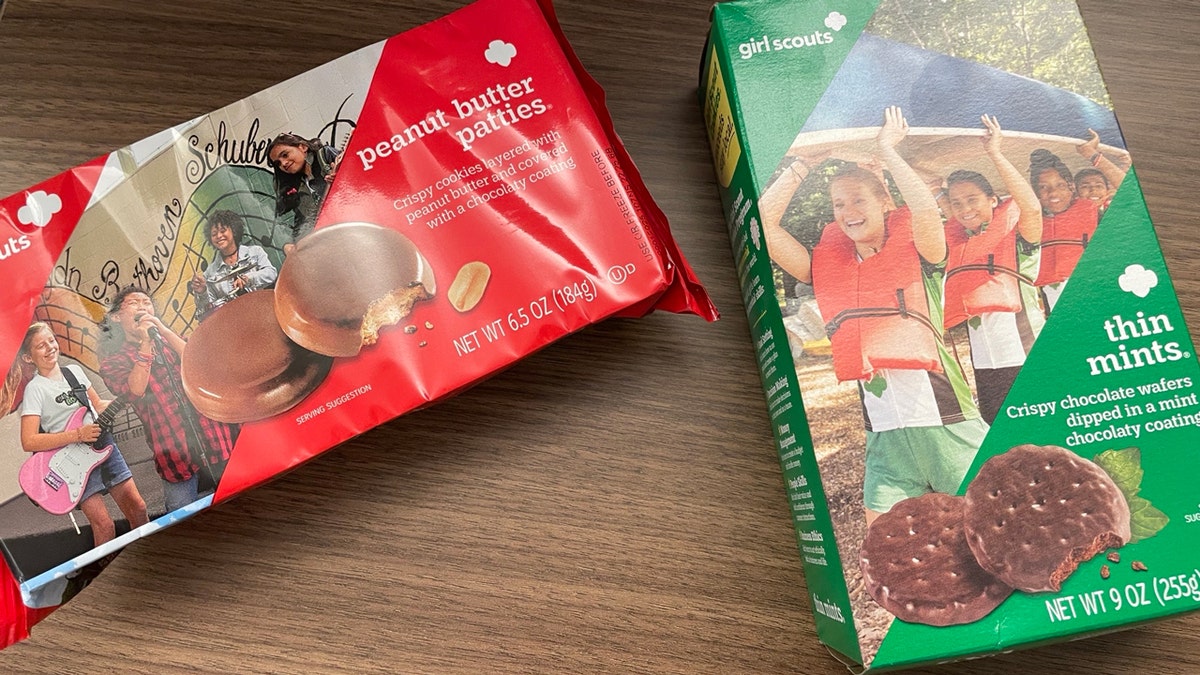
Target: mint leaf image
[(1125, 468), (1145, 521)]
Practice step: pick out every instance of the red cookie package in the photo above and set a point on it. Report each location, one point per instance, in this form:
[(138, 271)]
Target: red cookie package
[(198, 312)]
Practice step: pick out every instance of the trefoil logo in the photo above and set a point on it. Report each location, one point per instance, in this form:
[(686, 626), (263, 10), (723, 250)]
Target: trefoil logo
[(40, 207)]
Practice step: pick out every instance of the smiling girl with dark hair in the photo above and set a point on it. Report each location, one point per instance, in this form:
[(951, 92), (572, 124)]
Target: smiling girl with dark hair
[(1069, 222), (989, 282), (237, 268), (304, 168)]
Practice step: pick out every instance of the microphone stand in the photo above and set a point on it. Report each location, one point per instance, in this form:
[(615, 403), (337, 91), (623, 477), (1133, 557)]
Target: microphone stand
[(156, 340), (191, 424)]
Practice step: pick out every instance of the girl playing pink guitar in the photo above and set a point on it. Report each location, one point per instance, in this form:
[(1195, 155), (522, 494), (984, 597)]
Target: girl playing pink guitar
[(48, 404)]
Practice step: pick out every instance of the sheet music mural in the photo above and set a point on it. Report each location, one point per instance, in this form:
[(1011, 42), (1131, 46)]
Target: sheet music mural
[(146, 228)]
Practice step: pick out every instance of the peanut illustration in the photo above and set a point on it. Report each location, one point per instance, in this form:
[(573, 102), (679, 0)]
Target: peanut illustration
[(468, 285)]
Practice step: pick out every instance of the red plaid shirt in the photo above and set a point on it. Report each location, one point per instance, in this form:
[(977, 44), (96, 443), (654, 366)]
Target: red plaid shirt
[(163, 412)]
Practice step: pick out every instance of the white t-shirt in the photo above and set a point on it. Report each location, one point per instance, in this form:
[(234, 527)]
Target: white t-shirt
[(52, 400), (908, 399), (1053, 292), (1003, 339), (996, 342)]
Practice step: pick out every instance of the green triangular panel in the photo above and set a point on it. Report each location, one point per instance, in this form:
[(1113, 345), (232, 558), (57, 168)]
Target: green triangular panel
[(1078, 359)]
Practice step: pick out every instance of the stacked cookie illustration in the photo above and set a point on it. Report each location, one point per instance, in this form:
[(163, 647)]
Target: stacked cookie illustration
[(1028, 519), (340, 287)]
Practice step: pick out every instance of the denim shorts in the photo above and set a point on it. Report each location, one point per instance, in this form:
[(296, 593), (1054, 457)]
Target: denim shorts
[(110, 474)]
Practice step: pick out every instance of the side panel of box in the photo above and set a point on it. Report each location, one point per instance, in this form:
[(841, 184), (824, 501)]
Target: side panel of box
[(828, 593)]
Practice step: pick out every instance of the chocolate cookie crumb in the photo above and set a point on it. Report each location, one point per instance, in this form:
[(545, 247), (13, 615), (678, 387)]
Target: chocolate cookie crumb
[(410, 329), (1104, 573), (1114, 557), (1138, 566)]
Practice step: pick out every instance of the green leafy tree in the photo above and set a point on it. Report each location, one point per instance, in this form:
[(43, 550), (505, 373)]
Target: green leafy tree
[(1040, 39)]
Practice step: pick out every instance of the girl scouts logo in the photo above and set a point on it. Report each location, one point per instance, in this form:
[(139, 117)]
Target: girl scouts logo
[(500, 52)]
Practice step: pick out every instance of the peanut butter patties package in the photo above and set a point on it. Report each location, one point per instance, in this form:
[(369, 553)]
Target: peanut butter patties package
[(983, 392), (196, 313)]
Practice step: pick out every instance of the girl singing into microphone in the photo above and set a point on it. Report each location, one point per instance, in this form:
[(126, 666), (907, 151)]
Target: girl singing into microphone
[(144, 369)]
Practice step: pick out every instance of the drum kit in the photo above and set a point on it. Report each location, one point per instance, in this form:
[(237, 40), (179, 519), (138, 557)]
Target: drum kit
[(222, 299)]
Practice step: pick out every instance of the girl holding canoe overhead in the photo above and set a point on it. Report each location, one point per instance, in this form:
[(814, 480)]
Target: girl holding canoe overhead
[(1069, 221), (877, 277), (989, 271)]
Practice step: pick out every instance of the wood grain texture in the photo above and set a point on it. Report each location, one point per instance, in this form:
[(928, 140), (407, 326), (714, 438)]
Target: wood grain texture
[(612, 504)]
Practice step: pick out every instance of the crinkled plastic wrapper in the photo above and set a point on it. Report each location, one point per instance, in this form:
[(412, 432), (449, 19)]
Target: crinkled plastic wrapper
[(366, 238)]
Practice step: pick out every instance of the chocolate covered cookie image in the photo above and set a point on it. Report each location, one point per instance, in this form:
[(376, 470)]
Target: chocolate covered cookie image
[(233, 384), (917, 565), (344, 283), (1034, 513)]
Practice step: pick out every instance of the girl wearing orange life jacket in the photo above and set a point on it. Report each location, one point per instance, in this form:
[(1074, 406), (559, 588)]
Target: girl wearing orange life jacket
[(1091, 184), (876, 277), (989, 283), (1069, 222), (1098, 183)]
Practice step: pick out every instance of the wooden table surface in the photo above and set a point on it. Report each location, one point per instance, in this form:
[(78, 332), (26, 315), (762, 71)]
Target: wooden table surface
[(611, 504)]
